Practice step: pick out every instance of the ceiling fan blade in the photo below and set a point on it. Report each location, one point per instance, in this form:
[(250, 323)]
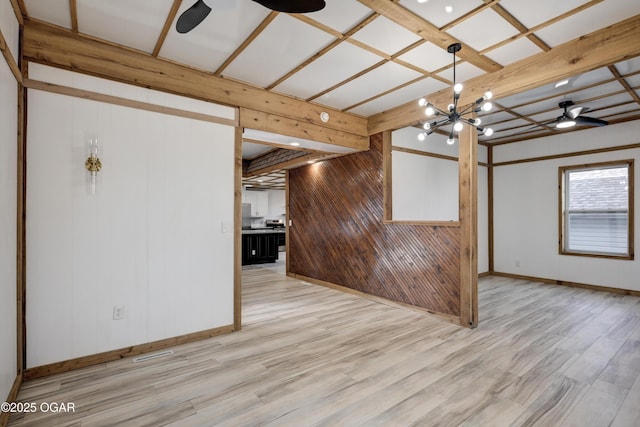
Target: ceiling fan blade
[(590, 121), (574, 112), (293, 6), (191, 17)]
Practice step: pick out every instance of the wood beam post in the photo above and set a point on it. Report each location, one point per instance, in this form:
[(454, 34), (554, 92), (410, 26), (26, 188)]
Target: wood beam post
[(468, 202), (490, 206), (237, 231)]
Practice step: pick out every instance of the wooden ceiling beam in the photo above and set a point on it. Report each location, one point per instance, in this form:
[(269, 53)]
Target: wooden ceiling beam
[(259, 120), (414, 23), (600, 48), (55, 46)]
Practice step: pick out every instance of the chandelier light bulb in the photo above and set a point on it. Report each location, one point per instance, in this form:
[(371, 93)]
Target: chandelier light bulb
[(426, 126), (450, 140), (477, 121), (487, 106), (429, 111), (422, 1), (450, 107), (488, 132), (457, 126), (422, 102), (457, 88), (422, 136), (488, 95)]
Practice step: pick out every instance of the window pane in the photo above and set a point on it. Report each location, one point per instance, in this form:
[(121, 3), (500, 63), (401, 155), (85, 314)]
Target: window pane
[(599, 189), (596, 210), (598, 232)]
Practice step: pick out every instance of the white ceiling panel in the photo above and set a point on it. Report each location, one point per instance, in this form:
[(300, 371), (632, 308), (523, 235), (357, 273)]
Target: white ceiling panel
[(514, 51), (209, 44), (629, 66), (284, 44), (633, 114), (428, 57), (251, 150), (483, 30), (595, 91), (10, 29), (615, 111), (543, 11), (400, 96), (634, 82), (341, 15), (323, 73), (383, 78), (464, 72), (592, 19), (511, 128), (546, 116), (623, 98), (498, 116), (55, 11), (509, 124), (434, 10), (135, 24), (583, 80), (386, 36)]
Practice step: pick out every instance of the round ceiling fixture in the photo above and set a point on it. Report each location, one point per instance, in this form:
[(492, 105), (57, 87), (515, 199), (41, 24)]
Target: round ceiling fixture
[(324, 116)]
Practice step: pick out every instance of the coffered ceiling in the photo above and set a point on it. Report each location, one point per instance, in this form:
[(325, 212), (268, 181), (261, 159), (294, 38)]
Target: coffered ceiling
[(375, 58)]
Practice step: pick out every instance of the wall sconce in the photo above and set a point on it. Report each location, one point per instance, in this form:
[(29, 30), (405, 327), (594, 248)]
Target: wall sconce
[(93, 164)]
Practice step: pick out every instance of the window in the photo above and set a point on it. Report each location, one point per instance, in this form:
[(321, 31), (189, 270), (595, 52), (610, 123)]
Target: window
[(596, 202)]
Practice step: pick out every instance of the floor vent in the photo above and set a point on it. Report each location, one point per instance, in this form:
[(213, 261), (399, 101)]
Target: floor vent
[(152, 356)]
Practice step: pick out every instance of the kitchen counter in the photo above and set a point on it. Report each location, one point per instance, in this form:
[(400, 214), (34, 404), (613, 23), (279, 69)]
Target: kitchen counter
[(264, 230), (261, 245)]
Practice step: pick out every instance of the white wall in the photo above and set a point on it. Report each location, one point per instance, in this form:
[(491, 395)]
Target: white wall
[(8, 190), (425, 188), (277, 204), (526, 208), (151, 239)]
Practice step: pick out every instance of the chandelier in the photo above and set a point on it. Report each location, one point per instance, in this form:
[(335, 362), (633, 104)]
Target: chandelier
[(452, 116)]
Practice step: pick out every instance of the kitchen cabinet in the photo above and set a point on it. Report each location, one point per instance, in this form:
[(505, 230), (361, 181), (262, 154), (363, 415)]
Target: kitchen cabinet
[(259, 202), (259, 248)]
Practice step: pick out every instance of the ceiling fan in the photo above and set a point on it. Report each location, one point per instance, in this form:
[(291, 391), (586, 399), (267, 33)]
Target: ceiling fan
[(193, 16), (572, 116)]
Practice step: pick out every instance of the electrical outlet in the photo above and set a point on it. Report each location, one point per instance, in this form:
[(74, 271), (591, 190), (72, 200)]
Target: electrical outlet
[(118, 312)]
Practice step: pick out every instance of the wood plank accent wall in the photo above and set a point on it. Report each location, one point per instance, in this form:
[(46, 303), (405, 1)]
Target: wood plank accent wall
[(338, 235)]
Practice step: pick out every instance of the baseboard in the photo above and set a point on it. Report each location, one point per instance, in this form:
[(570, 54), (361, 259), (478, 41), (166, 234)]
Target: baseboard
[(442, 316), (485, 274), (12, 397), (569, 284), (109, 356)]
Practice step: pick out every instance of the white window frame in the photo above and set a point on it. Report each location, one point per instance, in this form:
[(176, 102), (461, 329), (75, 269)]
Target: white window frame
[(563, 173)]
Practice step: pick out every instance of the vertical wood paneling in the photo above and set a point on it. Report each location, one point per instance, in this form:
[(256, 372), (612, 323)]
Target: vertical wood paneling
[(339, 236)]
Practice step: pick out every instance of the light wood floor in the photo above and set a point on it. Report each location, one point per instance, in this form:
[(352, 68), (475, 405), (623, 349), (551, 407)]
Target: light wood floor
[(543, 355)]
